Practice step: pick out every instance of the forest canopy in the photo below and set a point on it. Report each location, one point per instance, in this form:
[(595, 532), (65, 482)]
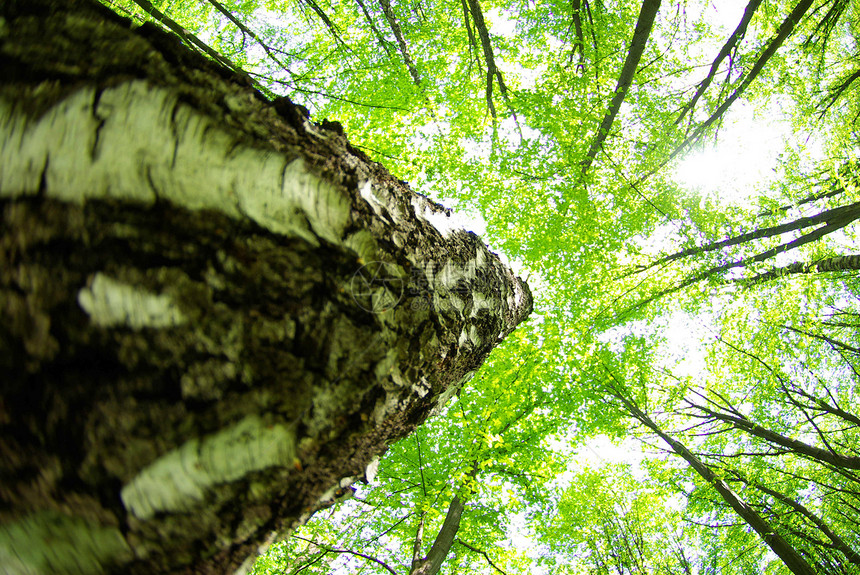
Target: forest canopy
[(678, 181)]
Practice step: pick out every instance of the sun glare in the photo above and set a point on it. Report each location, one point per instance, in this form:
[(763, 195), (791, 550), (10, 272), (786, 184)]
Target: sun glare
[(742, 161)]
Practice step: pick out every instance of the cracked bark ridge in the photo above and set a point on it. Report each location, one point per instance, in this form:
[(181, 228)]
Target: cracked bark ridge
[(212, 310)]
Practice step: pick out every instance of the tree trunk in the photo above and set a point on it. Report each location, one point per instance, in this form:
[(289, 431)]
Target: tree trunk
[(834, 264), (431, 564), (641, 33), (212, 310), (795, 446), (792, 559), (836, 542)]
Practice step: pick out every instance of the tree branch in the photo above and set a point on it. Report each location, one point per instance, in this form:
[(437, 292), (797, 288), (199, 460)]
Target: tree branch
[(373, 27), (783, 32), (401, 41), (431, 564), (796, 243), (834, 264), (187, 36), (827, 216), (742, 423), (325, 19), (576, 21), (245, 30), (728, 48), (493, 73), (838, 543), (641, 33), (784, 550), (484, 553), (349, 552)]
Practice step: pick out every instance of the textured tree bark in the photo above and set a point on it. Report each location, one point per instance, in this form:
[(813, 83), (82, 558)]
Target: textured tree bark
[(212, 310), (834, 264)]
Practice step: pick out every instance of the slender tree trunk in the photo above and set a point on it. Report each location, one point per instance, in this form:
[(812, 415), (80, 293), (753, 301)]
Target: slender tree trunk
[(579, 43), (834, 264), (373, 27), (836, 541), (840, 214), (644, 24), (493, 73), (786, 28), (213, 313), (431, 564), (729, 47), (743, 424), (782, 548), (388, 10)]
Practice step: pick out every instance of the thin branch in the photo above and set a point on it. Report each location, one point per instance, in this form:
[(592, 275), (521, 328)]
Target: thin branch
[(819, 523), (796, 243), (783, 32), (187, 36), (349, 552), (837, 91), (784, 550), (245, 30), (807, 200), (326, 94), (827, 216), (391, 527), (420, 465), (484, 553), (493, 73), (728, 48), (373, 27), (333, 30), (742, 423)]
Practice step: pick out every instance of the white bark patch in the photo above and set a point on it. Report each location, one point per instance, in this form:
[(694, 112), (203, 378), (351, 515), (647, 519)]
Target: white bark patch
[(111, 303), (179, 480), (371, 470), (431, 213), (366, 191), (136, 142), (50, 542), (480, 301)]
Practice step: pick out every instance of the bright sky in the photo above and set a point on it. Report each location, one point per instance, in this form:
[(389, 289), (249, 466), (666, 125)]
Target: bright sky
[(743, 160)]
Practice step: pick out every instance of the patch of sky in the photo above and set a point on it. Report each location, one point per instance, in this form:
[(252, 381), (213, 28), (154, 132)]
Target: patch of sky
[(743, 161), (501, 22)]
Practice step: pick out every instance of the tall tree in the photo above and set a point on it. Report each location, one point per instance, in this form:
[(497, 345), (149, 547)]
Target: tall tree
[(214, 311), (777, 543), (698, 72)]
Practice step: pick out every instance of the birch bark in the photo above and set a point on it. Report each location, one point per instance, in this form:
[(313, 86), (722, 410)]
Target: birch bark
[(213, 312)]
